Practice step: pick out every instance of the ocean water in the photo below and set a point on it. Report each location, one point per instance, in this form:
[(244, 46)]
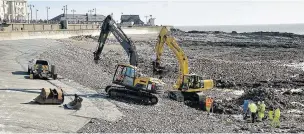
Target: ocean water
[(290, 28)]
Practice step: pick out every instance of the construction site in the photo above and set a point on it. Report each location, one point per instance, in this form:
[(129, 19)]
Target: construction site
[(171, 75)]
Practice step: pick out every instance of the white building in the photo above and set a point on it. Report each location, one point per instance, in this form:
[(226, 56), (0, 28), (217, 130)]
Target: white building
[(151, 22), (13, 10)]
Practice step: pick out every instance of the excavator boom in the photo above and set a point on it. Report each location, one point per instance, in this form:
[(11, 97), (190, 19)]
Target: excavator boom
[(165, 38), (108, 26), (125, 82), (188, 86)]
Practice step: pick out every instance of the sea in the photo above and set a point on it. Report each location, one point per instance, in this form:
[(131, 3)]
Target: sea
[(289, 28)]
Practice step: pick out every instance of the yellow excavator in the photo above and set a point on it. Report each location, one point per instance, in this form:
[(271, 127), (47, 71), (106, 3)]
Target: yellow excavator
[(188, 86), (126, 82)]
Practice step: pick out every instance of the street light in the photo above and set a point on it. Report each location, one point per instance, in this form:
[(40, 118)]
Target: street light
[(95, 14), (90, 13), (31, 11), (65, 10), (47, 14), (28, 17), (146, 19), (73, 11), (36, 15)]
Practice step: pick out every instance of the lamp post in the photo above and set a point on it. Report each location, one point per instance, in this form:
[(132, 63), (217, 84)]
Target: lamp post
[(31, 11), (90, 13), (73, 11), (28, 17), (95, 14), (36, 15), (63, 10), (47, 15), (146, 19), (66, 10)]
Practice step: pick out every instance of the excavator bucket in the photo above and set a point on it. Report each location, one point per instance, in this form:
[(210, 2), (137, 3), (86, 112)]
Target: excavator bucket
[(75, 104), (50, 96), (157, 69)]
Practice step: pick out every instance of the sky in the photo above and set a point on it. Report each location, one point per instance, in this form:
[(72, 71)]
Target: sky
[(186, 13)]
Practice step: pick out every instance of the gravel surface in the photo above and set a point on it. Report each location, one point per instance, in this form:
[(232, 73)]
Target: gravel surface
[(253, 67)]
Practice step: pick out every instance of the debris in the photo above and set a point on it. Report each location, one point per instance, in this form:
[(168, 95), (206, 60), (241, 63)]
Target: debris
[(75, 104), (252, 63), (50, 96)]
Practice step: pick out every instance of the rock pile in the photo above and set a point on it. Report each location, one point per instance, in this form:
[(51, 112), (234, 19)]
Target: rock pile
[(259, 71)]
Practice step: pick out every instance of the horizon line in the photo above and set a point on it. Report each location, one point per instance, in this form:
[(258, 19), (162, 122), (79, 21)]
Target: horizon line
[(240, 24)]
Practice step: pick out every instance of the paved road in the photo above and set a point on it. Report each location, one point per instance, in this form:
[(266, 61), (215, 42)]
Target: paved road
[(16, 90)]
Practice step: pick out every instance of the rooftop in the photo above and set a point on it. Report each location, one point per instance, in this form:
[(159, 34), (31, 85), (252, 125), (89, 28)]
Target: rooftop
[(79, 17)]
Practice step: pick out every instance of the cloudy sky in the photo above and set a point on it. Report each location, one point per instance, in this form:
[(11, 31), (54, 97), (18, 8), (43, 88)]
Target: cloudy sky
[(185, 13)]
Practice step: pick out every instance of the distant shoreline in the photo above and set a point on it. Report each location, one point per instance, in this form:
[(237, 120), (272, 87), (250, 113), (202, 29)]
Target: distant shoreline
[(282, 28)]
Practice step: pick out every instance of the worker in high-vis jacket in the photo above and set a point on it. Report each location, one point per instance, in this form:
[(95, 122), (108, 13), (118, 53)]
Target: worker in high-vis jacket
[(276, 119), (245, 109), (253, 109), (270, 113), (261, 110), (209, 102)]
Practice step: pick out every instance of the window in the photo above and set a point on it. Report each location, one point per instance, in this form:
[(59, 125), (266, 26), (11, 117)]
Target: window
[(42, 62), (130, 72)]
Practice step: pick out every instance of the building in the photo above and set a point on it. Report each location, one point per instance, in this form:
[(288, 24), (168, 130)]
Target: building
[(13, 10), (129, 20), (79, 18), (151, 22)]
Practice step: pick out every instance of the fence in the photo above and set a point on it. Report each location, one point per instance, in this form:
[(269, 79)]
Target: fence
[(43, 27)]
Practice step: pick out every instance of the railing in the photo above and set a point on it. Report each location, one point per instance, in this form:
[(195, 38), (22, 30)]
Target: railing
[(49, 22)]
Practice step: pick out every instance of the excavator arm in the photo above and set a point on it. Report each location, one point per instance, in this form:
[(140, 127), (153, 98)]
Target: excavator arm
[(165, 38), (108, 26), (188, 86)]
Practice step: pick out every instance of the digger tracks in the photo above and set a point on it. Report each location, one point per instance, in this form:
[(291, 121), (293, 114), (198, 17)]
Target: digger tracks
[(117, 92)]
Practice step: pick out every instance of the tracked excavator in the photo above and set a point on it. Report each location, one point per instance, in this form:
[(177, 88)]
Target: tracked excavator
[(126, 82), (188, 86)]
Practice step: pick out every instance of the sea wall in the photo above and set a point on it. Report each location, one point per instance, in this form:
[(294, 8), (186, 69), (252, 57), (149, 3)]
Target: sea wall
[(57, 34), (52, 34), (44, 27)]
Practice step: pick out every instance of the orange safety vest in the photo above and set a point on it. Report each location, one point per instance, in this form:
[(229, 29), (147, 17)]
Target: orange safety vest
[(209, 102)]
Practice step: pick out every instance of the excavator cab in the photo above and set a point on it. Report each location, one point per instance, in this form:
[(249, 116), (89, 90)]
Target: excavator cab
[(193, 82), (132, 86), (124, 75)]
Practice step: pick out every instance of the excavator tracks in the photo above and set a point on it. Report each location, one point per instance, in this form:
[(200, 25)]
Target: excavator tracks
[(191, 98), (122, 92)]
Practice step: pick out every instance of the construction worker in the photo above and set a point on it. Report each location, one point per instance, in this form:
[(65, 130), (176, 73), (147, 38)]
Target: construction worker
[(276, 119), (261, 111), (270, 113), (253, 109), (245, 109), (259, 108), (209, 102)]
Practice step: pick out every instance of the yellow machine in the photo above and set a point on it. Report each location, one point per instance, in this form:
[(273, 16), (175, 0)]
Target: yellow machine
[(188, 86), (126, 83), (132, 86)]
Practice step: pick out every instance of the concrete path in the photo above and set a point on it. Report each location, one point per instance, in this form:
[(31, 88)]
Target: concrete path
[(16, 90)]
